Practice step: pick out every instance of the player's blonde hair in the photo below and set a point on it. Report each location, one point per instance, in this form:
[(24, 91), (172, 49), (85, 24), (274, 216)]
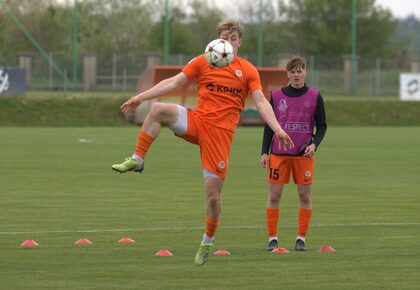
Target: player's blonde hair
[(295, 62), (231, 25)]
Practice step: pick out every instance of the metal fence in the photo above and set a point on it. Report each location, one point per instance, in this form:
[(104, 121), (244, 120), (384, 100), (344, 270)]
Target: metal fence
[(120, 73), (374, 77)]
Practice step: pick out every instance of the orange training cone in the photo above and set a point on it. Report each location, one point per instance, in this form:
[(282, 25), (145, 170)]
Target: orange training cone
[(280, 251), (327, 249), (126, 241), (83, 242), (163, 253), (29, 243), (222, 252)]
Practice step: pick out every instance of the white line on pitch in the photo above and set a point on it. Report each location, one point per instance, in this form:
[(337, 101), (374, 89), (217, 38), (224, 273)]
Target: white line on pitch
[(201, 228), (95, 141)]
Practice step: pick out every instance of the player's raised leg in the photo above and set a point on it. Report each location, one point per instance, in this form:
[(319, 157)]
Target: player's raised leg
[(160, 114)]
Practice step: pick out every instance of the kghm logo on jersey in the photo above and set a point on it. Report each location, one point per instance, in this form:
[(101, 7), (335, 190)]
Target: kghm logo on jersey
[(223, 89), (238, 73), (210, 87)]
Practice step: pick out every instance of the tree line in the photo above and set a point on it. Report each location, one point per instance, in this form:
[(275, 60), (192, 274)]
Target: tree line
[(307, 27)]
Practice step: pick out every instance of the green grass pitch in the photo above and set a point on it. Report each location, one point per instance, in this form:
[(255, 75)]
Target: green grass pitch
[(56, 186)]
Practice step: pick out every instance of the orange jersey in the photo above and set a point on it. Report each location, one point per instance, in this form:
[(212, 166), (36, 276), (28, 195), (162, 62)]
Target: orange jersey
[(222, 91)]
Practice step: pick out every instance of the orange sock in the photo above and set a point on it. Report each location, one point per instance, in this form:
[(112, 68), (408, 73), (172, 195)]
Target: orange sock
[(304, 220), (143, 144), (211, 226), (272, 219)]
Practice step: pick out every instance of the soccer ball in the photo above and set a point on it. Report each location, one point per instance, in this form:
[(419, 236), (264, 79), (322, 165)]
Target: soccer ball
[(219, 53)]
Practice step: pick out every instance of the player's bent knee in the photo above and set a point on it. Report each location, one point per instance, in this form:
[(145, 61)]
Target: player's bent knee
[(157, 109), (164, 113)]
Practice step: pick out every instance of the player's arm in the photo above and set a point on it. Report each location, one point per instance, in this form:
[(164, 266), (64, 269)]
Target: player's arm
[(267, 113), (320, 121), (159, 89), (266, 143), (320, 125)]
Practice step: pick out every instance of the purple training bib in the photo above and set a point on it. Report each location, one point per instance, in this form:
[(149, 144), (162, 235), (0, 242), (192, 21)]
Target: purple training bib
[(296, 117)]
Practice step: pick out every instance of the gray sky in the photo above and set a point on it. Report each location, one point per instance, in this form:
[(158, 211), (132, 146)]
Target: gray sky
[(399, 8)]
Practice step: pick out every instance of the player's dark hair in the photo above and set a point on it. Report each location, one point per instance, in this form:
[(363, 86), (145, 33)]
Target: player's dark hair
[(295, 62), (231, 25)]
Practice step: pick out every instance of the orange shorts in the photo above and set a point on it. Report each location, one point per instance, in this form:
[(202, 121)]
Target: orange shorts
[(302, 169), (214, 142)]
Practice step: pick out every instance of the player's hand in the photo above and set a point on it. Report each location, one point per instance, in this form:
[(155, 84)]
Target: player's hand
[(310, 150), (285, 140), (131, 104), (265, 161)]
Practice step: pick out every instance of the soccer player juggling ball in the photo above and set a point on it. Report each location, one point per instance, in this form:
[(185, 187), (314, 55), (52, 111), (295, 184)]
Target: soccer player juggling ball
[(298, 110), (221, 97)]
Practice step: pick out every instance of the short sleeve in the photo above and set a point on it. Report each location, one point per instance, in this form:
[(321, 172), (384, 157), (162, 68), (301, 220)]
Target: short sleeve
[(192, 68), (254, 82)]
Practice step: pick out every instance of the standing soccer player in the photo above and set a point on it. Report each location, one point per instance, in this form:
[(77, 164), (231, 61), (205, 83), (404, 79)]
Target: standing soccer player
[(298, 110), (221, 98)]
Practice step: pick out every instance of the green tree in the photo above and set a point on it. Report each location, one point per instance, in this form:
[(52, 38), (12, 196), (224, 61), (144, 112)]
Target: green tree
[(40, 18), (408, 33), (272, 31), (107, 26), (189, 32), (181, 38), (203, 21), (324, 27)]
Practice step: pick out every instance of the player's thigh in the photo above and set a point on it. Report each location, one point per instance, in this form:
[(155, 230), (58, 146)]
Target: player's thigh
[(166, 114), (304, 189), (187, 126), (279, 169), (303, 170), (276, 189), (275, 193)]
